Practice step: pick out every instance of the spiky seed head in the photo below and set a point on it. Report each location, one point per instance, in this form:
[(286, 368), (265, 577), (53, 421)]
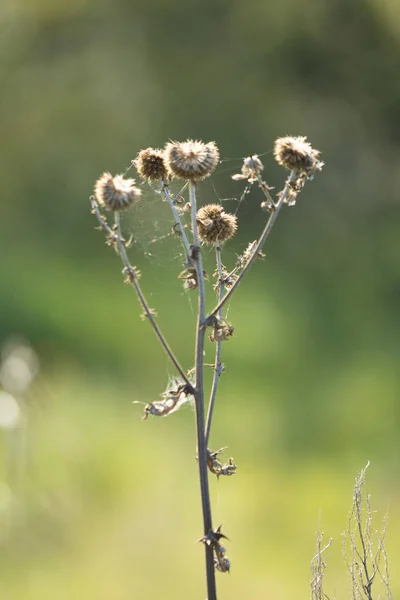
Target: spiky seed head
[(215, 225), (116, 193), (295, 153), (251, 169), (150, 164), (222, 330), (192, 160)]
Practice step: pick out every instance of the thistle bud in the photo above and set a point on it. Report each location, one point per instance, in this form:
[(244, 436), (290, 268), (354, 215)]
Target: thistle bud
[(222, 330), (215, 225), (251, 169), (150, 164), (192, 160), (116, 193), (294, 153)]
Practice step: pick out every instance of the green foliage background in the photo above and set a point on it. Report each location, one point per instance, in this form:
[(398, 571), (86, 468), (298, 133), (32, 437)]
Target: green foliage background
[(108, 506)]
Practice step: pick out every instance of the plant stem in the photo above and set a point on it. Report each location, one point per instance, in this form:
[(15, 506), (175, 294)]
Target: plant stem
[(199, 399), (133, 280), (261, 241), (218, 367), (167, 195)]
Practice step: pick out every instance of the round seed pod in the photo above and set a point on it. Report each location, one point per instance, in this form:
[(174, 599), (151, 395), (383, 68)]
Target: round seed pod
[(150, 164), (192, 160), (294, 153), (215, 225), (116, 193)]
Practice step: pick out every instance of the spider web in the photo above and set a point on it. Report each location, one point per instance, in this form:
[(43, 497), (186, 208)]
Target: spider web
[(149, 224)]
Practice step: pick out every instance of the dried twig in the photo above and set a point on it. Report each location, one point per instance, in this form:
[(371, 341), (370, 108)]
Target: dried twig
[(115, 239), (364, 548), (318, 568), (218, 366)]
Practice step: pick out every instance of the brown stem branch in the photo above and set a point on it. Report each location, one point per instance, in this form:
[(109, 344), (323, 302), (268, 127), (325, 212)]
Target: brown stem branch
[(218, 367), (167, 195), (131, 272), (199, 398), (275, 208)]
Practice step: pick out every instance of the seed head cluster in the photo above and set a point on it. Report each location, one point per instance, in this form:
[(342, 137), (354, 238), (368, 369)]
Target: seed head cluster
[(194, 161), (150, 164), (215, 225), (294, 153), (191, 160), (116, 193)]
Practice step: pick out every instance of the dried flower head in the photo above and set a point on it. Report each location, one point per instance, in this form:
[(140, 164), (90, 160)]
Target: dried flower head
[(251, 169), (216, 467), (221, 562), (191, 160), (296, 154), (116, 193), (189, 275), (215, 225), (150, 164), (222, 330), (176, 394)]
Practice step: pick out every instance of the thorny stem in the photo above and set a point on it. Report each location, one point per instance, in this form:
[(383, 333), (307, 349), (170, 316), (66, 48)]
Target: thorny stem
[(199, 398), (275, 208), (264, 186), (131, 272), (167, 195), (218, 366)]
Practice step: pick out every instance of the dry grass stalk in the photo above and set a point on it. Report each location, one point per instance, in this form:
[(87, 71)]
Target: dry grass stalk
[(318, 567), (364, 547)]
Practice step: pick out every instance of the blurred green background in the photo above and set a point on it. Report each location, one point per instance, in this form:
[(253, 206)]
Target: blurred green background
[(95, 503)]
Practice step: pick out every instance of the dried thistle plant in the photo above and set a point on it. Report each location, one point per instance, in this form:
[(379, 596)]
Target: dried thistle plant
[(318, 567), (364, 547), (364, 551), (192, 162)]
